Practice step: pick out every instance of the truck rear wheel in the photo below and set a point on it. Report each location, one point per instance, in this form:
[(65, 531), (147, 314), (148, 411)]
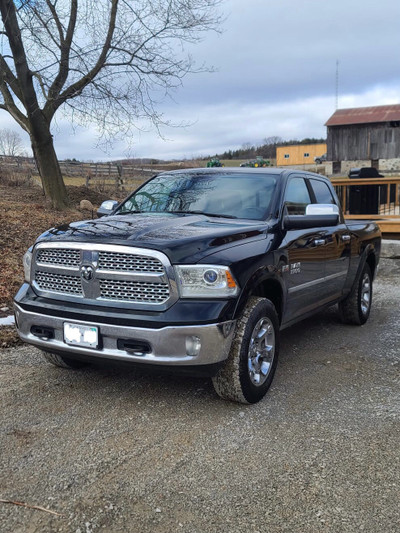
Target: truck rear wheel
[(355, 308), (250, 367), (62, 361)]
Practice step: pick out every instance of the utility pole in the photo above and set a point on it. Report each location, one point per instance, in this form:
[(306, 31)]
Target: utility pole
[(337, 86)]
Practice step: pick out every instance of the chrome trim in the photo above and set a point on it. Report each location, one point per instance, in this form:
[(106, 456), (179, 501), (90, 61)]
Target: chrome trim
[(91, 289), (343, 273), (168, 345)]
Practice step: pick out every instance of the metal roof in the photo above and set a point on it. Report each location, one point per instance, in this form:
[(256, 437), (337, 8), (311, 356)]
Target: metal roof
[(364, 115)]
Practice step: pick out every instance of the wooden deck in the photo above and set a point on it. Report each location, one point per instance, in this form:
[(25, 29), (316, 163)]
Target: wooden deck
[(387, 202)]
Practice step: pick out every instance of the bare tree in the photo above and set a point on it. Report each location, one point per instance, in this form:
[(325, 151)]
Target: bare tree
[(105, 61), (11, 143), (269, 146)]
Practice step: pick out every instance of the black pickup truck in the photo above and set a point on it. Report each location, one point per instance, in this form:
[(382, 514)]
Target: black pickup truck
[(198, 269)]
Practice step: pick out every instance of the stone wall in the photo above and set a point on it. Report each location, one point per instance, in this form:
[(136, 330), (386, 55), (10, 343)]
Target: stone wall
[(389, 164)]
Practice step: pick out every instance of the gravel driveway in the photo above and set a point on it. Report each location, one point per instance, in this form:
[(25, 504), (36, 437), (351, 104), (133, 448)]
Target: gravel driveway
[(114, 449)]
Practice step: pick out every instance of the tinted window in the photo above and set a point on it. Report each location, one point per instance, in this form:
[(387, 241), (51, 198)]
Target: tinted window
[(235, 195), (322, 193), (296, 197)]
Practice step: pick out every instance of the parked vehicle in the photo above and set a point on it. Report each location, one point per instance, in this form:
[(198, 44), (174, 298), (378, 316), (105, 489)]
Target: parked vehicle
[(198, 269), (320, 159)]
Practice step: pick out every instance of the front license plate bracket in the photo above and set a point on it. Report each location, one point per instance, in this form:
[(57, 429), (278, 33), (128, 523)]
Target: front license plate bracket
[(78, 335)]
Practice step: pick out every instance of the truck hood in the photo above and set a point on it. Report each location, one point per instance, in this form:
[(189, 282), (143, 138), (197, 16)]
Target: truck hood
[(182, 238)]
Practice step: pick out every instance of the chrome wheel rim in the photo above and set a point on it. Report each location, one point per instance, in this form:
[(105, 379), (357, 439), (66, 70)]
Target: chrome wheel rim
[(261, 351), (365, 294)]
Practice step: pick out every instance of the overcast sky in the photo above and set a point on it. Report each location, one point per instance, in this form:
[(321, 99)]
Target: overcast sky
[(276, 75)]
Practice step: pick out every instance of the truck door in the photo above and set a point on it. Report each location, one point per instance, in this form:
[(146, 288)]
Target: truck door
[(302, 255), (337, 244)]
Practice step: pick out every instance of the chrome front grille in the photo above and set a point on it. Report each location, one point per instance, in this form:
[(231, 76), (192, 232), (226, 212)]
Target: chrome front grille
[(129, 262), (60, 283), (59, 256), (102, 273), (134, 290)]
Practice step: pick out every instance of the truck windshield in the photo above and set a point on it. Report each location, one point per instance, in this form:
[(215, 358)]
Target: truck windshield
[(227, 195)]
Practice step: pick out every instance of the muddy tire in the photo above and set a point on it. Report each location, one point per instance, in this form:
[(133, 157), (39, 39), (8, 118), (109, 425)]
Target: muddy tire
[(356, 307), (63, 362), (249, 370)]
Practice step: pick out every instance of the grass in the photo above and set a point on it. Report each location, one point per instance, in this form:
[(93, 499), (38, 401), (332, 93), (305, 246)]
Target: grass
[(24, 215)]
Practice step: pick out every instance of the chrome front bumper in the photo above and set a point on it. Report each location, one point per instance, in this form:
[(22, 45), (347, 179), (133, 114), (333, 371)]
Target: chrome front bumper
[(169, 346)]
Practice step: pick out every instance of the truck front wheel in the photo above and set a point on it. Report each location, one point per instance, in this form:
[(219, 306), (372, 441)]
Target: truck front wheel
[(249, 370), (63, 362)]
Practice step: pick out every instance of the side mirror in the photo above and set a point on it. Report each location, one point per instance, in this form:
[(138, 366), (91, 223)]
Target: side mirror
[(106, 208), (322, 209), (317, 215)]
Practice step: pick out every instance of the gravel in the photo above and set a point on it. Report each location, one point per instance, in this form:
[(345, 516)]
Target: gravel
[(115, 449)]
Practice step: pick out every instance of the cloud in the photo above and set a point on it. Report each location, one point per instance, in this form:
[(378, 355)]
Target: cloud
[(276, 75)]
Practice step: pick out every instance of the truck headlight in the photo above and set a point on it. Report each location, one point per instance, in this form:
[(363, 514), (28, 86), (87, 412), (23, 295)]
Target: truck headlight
[(205, 281), (27, 262)]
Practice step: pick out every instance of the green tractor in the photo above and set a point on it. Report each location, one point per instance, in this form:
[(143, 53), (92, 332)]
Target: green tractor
[(258, 162), (214, 162)]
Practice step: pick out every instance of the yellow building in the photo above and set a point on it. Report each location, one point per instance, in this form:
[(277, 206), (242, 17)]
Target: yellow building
[(299, 154)]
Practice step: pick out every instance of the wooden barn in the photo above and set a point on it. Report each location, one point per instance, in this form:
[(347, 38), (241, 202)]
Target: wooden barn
[(364, 136)]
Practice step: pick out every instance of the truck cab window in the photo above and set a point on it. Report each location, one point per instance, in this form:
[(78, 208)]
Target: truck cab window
[(297, 197)]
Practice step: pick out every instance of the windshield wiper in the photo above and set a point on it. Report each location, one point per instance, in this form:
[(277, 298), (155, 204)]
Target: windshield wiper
[(201, 213)]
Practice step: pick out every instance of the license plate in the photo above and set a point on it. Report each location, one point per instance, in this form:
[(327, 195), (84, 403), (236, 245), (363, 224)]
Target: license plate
[(78, 335)]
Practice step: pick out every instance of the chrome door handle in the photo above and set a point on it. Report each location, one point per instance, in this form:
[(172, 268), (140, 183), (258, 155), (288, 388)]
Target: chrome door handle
[(319, 242), (346, 238)]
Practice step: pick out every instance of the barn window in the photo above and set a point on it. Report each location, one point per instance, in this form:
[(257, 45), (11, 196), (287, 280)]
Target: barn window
[(287, 156), (394, 124), (306, 154)]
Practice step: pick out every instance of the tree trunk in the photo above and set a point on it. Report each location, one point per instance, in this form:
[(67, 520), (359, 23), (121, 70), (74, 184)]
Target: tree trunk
[(47, 162)]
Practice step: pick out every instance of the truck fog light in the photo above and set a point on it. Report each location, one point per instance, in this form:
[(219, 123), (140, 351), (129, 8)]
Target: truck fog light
[(193, 345)]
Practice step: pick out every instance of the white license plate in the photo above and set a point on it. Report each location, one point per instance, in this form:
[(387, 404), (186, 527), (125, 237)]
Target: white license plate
[(77, 335)]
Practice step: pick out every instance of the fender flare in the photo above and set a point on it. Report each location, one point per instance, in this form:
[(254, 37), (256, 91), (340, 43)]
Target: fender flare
[(262, 275), (369, 250)]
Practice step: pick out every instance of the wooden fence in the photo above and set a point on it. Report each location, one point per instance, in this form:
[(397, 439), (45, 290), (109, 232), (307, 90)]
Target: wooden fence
[(371, 198), (110, 172)]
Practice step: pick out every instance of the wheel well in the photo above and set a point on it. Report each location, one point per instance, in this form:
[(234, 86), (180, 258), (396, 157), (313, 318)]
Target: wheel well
[(371, 261), (272, 290)]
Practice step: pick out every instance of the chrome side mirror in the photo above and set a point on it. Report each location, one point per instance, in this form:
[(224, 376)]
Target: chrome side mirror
[(106, 208), (322, 209)]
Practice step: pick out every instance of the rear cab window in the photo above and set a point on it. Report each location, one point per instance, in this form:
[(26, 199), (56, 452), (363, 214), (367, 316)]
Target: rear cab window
[(322, 193)]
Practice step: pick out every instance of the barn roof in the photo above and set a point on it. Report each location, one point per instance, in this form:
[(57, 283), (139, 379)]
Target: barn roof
[(363, 115)]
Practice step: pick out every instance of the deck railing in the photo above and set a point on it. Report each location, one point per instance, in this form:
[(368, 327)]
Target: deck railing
[(373, 198)]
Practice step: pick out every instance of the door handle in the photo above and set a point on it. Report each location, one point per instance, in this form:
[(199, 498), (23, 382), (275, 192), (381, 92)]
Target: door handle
[(319, 242), (346, 238)]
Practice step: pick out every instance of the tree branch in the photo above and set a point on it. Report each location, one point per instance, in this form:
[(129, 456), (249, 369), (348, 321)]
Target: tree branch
[(10, 78), (28, 95), (77, 87), (63, 70), (9, 105), (56, 20)]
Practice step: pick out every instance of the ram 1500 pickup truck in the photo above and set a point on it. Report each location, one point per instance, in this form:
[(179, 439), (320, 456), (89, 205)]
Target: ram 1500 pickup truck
[(198, 269)]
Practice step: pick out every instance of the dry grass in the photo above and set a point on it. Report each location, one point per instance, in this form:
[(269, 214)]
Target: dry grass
[(24, 215)]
